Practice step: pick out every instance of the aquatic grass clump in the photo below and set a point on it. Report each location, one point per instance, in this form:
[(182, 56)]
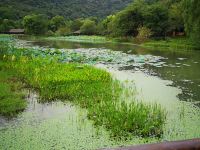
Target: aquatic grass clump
[(89, 88), (135, 118), (93, 89), (11, 98)]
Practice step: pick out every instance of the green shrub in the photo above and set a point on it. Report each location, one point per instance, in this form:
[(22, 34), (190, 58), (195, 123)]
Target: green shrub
[(144, 34), (63, 31), (35, 24), (88, 27)]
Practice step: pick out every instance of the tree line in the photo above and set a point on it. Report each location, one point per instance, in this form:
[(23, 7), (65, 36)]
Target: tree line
[(142, 18)]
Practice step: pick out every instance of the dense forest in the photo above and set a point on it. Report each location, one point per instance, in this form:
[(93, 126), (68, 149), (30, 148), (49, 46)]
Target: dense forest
[(141, 18), (70, 9)]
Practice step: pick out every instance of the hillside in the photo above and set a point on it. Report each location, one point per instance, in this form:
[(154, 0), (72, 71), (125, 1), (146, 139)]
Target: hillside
[(16, 9)]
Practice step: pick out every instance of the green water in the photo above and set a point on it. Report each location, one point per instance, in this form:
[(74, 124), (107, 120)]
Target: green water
[(57, 126), (169, 78)]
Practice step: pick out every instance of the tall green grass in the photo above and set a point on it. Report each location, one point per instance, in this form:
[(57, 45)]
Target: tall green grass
[(87, 87), (11, 98)]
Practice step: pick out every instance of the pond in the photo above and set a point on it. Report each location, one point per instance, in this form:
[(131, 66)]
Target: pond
[(169, 78)]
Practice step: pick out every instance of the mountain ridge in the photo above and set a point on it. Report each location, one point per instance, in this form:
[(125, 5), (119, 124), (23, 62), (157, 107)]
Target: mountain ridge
[(16, 9)]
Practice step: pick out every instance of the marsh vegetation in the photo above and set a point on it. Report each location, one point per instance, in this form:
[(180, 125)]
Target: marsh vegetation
[(86, 86)]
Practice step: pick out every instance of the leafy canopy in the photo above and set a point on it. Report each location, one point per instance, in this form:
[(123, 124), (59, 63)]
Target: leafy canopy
[(35, 24)]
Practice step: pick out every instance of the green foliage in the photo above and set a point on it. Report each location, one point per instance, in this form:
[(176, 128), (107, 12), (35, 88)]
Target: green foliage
[(172, 44), (126, 22), (82, 39), (161, 17), (11, 98), (6, 25), (129, 119), (76, 24), (88, 27), (156, 19), (144, 34), (92, 89), (63, 31), (70, 9), (192, 20), (56, 22), (175, 17), (100, 30), (8, 12), (108, 24), (49, 33), (35, 24)]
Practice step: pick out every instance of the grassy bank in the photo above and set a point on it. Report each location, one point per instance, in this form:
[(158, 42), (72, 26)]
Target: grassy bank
[(171, 43), (85, 86), (181, 43), (82, 39)]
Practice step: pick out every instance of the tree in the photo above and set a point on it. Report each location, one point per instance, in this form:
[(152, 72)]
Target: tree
[(63, 31), (176, 18), (192, 19), (107, 24), (127, 21), (70, 9), (88, 27), (100, 30), (144, 34), (156, 18), (6, 25), (56, 22), (35, 24), (76, 24)]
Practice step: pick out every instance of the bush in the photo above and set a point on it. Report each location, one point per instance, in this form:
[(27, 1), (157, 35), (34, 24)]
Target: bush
[(63, 31), (88, 27), (35, 24), (56, 23), (50, 33), (144, 34)]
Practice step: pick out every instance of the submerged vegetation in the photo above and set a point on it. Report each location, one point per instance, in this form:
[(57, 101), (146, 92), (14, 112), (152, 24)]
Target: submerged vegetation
[(86, 86)]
